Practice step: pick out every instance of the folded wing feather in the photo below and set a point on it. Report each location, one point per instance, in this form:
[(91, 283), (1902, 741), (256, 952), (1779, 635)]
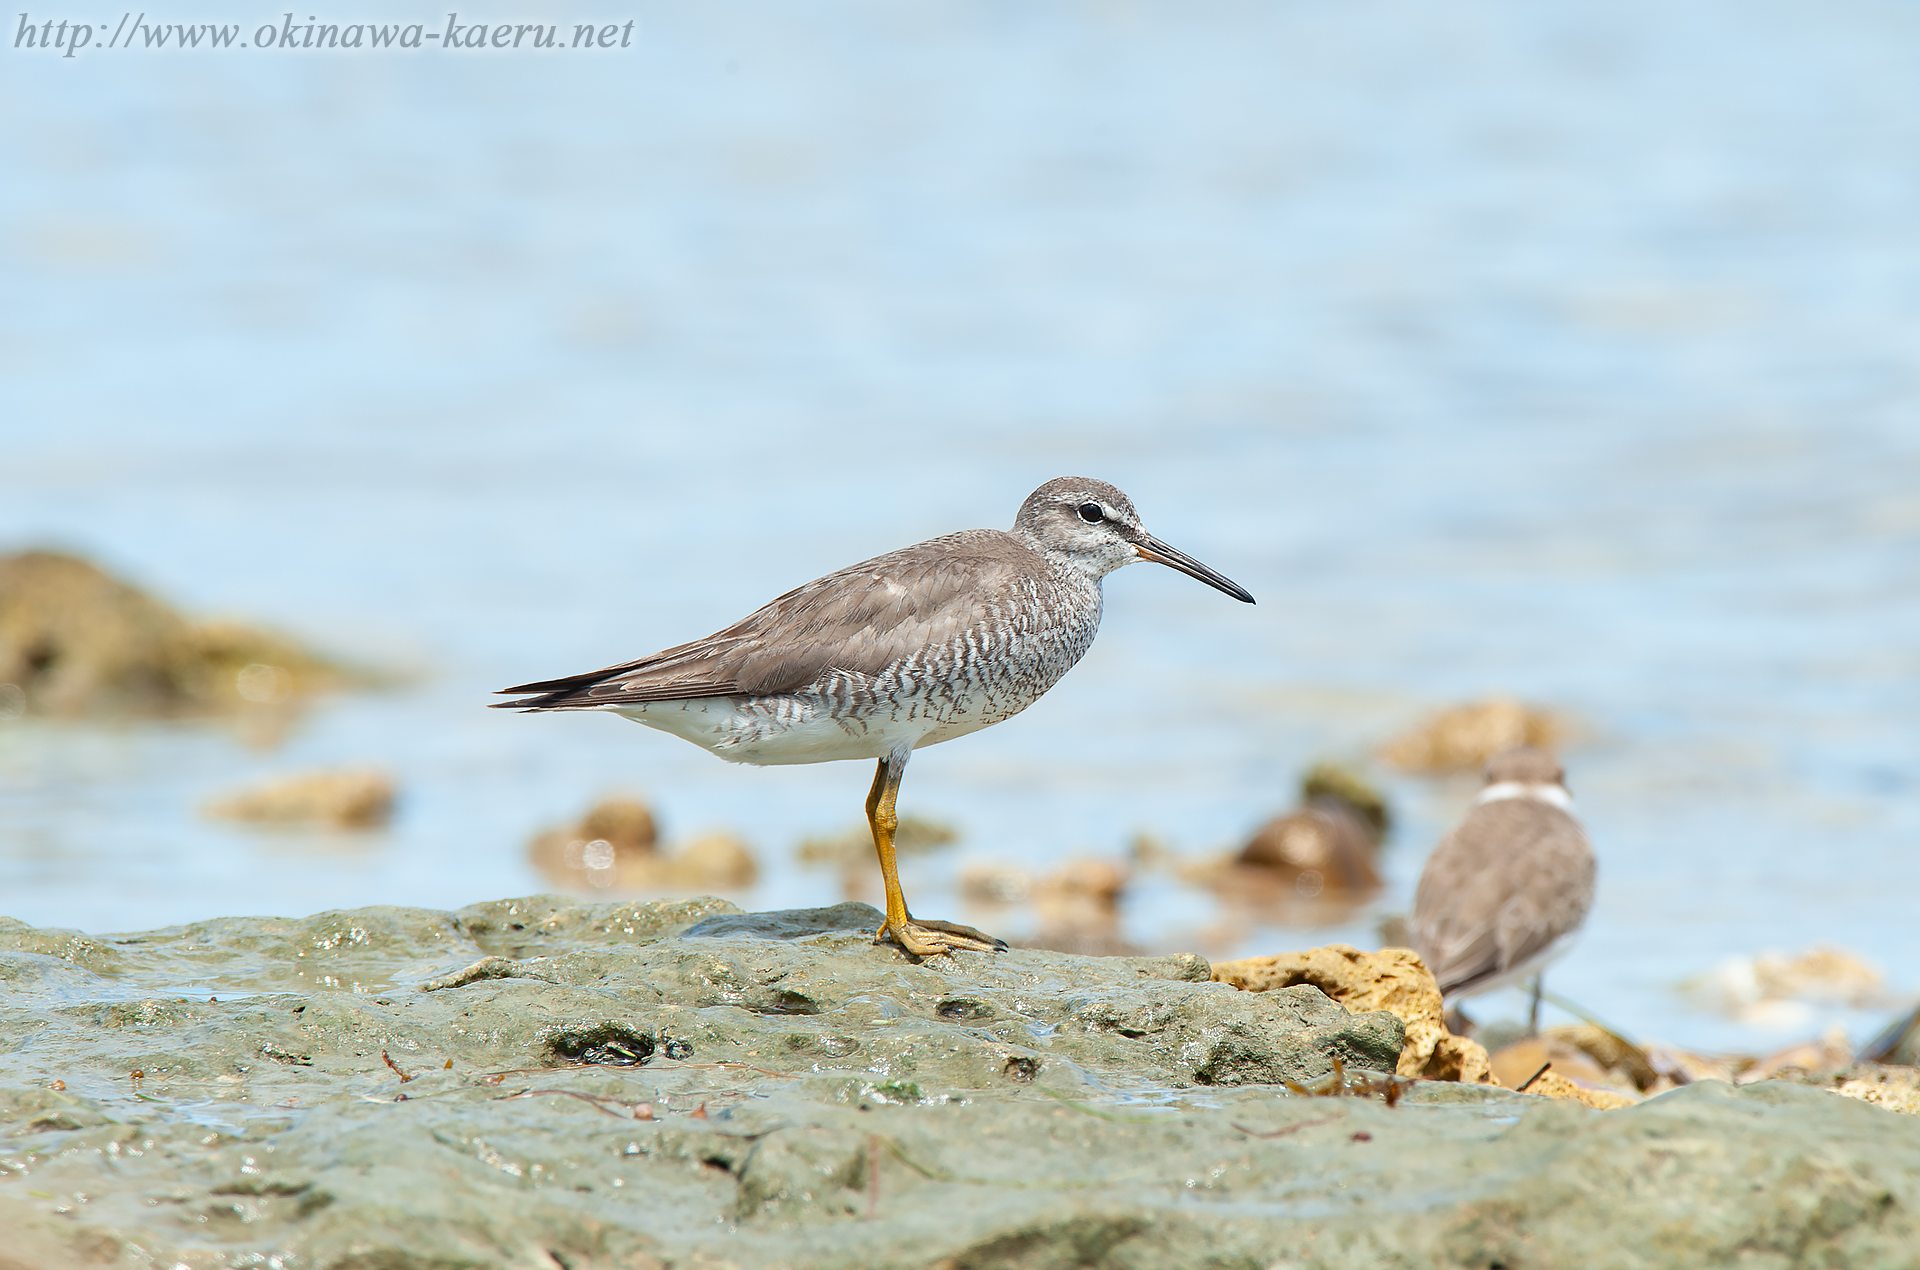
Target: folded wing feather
[(862, 619)]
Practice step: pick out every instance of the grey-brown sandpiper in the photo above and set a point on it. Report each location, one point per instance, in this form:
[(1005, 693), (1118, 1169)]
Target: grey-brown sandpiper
[(1507, 890), (915, 647)]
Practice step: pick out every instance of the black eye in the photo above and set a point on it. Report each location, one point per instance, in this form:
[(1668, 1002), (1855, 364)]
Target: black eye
[(1091, 513)]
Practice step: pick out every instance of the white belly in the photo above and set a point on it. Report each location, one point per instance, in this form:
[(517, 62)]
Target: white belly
[(771, 731)]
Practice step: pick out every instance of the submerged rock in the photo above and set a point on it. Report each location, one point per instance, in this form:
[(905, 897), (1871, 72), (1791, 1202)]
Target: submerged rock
[(1310, 866), (1076, 905), (347, 799), (616, 847), (542, 1082), (1464, 737), (1324, 851), (1775, 989), (853, 848), (75, 641)]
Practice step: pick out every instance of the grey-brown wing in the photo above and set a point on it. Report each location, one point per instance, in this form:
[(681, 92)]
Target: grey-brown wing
[(862, 619), (1514, 876)]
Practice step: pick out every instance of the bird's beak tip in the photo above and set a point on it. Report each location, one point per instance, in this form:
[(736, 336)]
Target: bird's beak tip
[(1159, 553)]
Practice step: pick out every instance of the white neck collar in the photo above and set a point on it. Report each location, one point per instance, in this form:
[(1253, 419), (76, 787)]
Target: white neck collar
[(1538, 791)]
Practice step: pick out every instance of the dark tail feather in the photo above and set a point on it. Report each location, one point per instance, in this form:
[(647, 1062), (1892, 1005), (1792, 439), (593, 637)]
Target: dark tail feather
[(554, 694)]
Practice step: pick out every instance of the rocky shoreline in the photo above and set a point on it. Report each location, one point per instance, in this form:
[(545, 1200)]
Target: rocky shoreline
[(548, 1083)]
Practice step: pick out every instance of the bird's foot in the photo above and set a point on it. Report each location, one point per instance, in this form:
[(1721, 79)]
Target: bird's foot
[(928, 938)]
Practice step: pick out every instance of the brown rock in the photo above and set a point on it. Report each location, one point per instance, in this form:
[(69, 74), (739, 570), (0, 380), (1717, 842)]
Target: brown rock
[(1610, 1053), (1553, 1085), (713, 859), (614, 835), (1829, 1053), (617, 836), (347, 799), (1766, 988), (1513, 1065), (1324, 849), (1311, 866), (1325, 781), (913, 836), (626, 824), (1393, 979), (1683, 1067), (1078, 906), (1465, 737), (995, 884), (616, 847), (75, 641), (1085, 883)]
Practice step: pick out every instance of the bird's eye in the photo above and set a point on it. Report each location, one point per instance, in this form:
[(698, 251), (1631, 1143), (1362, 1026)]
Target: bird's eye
[(1091, 513)]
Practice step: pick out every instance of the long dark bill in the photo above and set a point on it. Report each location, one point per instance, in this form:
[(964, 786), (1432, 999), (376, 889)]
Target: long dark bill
[(1151, 548)]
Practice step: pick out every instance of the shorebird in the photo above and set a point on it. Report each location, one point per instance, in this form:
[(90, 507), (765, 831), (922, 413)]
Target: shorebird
[(1506, 891), (905, 650)]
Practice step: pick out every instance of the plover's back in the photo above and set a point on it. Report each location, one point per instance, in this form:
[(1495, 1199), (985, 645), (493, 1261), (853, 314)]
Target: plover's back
[(1503, 894)]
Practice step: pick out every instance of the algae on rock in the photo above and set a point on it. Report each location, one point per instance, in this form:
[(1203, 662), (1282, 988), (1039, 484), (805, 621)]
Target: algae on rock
[(541, 1082)]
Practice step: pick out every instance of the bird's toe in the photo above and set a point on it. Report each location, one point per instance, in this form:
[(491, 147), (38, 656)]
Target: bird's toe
[(929, 938)]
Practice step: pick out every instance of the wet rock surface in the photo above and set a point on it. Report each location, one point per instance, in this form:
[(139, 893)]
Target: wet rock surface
[(546, 1083)]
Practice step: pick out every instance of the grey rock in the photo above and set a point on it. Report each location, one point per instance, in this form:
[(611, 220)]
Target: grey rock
[(793, 923), (781, 1092)]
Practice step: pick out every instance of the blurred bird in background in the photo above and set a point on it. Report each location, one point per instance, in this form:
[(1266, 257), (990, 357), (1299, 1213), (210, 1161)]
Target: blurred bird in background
[(1507, 890)]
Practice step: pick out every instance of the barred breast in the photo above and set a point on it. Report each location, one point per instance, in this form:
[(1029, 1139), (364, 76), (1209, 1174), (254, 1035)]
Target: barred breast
[(1026, 639)]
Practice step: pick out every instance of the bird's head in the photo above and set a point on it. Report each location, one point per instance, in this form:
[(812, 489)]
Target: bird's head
[(1093, 527)]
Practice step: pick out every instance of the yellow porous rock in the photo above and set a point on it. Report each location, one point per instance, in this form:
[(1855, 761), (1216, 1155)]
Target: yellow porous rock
[(1392, 979), (1552, 1084), (1897, 1088)]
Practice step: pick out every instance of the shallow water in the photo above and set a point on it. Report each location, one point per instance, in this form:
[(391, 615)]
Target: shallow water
[(1569, 354)]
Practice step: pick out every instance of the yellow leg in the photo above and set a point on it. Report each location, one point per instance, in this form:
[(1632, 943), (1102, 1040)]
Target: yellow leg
[(883, 819), (922, 939)]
